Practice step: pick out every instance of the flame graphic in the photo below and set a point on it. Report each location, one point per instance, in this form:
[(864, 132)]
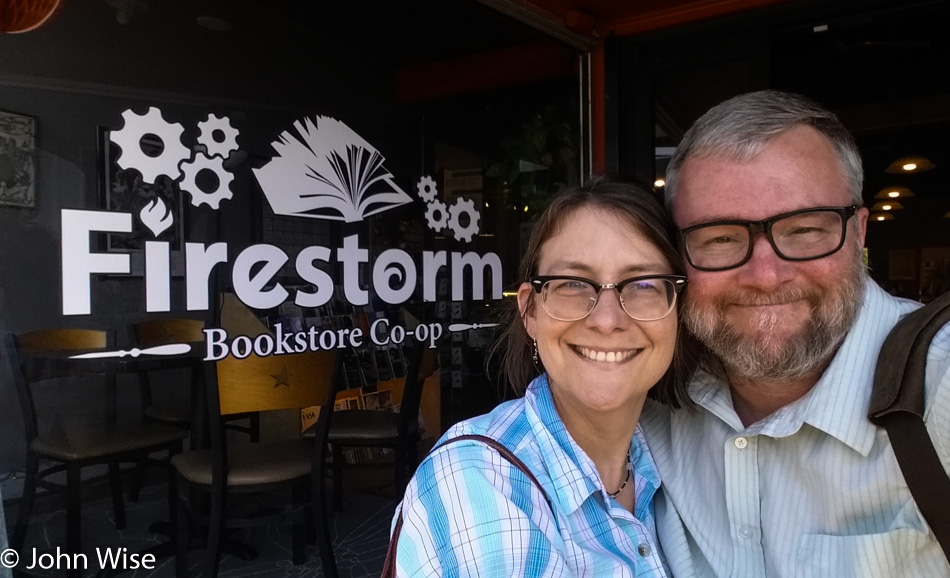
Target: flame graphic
[(156, 216)]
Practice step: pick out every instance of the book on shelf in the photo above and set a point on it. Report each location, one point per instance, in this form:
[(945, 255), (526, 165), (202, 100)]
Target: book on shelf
[(384, 364), (398, 360), (378, 400), (367, 368), (351, 370)]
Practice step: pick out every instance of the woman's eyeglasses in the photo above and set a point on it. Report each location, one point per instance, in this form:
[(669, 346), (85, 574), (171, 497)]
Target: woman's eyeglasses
[(644, 298), (797, 236)]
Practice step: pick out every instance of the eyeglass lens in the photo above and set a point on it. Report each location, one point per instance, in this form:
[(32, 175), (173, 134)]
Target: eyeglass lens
[(643, 299), (801, 236)]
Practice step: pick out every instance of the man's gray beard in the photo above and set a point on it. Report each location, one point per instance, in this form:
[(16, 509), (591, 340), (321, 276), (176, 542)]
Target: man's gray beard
[(766, 356)]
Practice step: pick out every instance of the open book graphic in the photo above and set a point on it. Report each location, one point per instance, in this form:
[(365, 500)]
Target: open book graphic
[(327, 171)]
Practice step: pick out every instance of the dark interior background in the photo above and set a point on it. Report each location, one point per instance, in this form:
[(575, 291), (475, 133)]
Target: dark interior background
[(880, 66)]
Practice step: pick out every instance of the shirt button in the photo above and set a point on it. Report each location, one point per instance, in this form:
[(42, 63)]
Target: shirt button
[(746, 532), (644, 550), (741, 443)]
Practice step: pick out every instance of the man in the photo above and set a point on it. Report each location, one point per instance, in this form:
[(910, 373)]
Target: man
[(777, 471)]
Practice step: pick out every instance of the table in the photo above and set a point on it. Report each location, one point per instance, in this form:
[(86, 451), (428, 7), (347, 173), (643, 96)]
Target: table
[(53, 364)]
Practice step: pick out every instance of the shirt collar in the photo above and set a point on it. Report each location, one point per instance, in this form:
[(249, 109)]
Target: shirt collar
[(569, 468), (646, 475), (572, 472), (712, 393), (838, 403)]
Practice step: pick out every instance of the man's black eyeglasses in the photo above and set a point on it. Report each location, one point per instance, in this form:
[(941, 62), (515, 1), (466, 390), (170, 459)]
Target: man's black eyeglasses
[(796, 236)]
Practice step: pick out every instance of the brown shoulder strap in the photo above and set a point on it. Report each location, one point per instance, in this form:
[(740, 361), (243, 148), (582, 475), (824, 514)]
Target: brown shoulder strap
[(389, 566), (504, 452), (897, 405)]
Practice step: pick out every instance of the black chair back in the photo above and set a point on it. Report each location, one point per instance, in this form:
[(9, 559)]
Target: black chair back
[(421, 364)]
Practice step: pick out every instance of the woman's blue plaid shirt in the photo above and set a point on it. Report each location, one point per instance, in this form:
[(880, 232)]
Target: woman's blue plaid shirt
[(469, 512)]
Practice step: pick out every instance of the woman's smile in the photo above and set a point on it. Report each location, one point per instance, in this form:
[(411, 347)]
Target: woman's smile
[(609, 356)]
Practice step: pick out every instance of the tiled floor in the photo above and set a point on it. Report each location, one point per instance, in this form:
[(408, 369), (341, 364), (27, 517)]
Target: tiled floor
[(360, 533)]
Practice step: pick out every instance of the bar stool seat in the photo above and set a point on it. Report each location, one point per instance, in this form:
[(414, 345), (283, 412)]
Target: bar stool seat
[(87, 444), (294, 468), (102, 441), (250, 464), (383, 428)]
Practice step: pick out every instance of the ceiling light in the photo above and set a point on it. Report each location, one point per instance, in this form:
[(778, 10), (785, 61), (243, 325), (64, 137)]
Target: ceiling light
[(659, 183), (909, 165), (894, 193), (882, 217), (887, 206)]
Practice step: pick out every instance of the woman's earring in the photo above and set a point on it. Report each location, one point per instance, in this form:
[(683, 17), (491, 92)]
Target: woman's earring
[(535, 357)]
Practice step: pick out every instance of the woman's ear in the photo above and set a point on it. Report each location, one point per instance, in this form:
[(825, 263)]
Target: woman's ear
[(526, 306)]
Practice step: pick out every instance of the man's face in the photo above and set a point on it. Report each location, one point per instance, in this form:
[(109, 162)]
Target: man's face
[(771, 318)]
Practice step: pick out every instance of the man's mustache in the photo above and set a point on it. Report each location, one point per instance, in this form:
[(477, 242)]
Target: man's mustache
[(752, 297)]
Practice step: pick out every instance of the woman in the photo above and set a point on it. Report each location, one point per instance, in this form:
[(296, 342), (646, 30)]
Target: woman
[(596, 317)]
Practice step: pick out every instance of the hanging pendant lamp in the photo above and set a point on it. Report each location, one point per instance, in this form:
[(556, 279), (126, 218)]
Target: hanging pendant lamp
[(25, 15), (912, 164), (894, 193), (887, 206)]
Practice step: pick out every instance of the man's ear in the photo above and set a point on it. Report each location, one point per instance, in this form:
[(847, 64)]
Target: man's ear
[(527, 307), (861, 222)]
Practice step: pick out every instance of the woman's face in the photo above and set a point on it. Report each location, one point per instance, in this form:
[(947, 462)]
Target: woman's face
[(607, 360)]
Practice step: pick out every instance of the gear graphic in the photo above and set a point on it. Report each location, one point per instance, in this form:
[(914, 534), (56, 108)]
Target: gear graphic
[(437, 215), (190, 170), (220, 127), (129, 137), (427, 189), (460, 207)]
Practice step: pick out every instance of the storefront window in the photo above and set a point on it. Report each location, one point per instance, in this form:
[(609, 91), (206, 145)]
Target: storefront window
[(279, 167)]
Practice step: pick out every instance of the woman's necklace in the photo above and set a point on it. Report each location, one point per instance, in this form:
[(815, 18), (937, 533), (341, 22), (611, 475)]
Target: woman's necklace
[(625, 481)]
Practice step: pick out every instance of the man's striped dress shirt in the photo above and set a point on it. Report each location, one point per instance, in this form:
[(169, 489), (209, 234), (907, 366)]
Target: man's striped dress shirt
[(469, 512), (813, 490)]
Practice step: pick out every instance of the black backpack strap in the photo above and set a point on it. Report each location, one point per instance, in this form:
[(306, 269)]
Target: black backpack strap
[(897, 405), (389, 566)]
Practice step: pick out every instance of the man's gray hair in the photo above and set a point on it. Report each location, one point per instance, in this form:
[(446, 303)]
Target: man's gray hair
[(741, 127)]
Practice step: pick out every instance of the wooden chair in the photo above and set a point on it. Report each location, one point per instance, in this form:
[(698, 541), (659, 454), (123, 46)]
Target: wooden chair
[(384, 428), (161, 332), (100, 443), (154, 332), (261, 384)]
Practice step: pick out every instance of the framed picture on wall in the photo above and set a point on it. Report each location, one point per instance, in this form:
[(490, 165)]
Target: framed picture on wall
[(17, 160), (158, 209)]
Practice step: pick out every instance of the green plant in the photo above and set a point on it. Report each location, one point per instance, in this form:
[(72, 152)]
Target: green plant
[(540, 159)]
